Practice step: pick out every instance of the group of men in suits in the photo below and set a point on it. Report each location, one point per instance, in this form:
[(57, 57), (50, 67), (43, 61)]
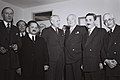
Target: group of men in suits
[(75, 53), (21, 50)]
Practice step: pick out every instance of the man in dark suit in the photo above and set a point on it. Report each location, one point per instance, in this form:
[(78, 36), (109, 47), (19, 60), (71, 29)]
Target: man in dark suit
[(113, 50), (22, 25), (34, 54), (73, 49), (55, 42), (9, 45), (93, 52)]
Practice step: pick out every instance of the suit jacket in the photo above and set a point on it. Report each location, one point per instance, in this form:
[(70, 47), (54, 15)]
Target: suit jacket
[(55, 43), (10, 58), (93, 52), (74, 44), (114, 51), (34, 55)]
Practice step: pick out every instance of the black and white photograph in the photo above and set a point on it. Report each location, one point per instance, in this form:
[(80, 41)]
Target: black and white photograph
[(60, 40)]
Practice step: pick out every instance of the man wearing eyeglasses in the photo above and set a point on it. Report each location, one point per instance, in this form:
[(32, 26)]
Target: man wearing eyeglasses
[(113, 48)]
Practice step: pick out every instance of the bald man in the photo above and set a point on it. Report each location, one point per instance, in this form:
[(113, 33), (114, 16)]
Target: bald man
[(55, 41), (113, 49), (73, 48), (9, 45)]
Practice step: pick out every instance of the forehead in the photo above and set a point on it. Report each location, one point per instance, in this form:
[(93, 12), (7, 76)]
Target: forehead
[(71, 17), (8, 10), (90, 17), (107, 16), (55, 18), (33, 24), (21, 22)]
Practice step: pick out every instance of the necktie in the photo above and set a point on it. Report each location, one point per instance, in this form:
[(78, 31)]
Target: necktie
[(110, 32), (67, 33), (8, 27), (33, 38), (56, 29)]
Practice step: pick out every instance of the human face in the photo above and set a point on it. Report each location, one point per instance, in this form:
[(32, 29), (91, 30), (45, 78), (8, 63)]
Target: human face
[(71, 20), (55, 21), (22, 26), (90, 22), (8, 15), (33, 28), (108, 21)]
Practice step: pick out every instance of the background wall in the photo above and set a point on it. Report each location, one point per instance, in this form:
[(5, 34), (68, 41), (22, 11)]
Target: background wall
[(18, 11), (77, 7)]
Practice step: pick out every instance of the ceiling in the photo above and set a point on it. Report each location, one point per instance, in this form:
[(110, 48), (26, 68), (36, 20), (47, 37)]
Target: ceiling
[(31, 3)]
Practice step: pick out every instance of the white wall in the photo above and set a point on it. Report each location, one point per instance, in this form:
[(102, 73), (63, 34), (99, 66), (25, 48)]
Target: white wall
[(18, 11), (78, 7)]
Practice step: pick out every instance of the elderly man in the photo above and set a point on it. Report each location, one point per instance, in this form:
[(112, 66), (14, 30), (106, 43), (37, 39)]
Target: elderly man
[(113, 48), (55, 41), (73, 49), (9, 45)]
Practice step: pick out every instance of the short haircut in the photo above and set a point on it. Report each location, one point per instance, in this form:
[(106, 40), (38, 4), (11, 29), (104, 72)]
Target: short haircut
[(21, 21), (73, 15), (32, 21), (91, 14), (6, 8)]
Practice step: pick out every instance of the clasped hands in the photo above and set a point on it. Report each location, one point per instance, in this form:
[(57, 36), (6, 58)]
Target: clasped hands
[(110, 62), (4, 50)]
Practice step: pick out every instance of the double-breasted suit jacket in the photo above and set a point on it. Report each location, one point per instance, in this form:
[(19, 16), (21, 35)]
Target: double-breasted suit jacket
[(113, 51), (93, 52), (34, 55), (10, 58), (74, 45), (55, 43)]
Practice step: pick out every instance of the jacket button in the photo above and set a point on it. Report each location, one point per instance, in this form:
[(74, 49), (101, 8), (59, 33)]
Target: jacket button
[(73, 49), (90, 49), (115, 52)]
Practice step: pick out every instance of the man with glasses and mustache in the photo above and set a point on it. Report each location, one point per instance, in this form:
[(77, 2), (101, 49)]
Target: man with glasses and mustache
[(113, 48)]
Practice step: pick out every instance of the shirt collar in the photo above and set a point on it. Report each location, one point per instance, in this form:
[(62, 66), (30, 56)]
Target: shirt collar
[(54, 27), (90, 30), (6, 23), (71, 29), (113, 28), (30, 35)]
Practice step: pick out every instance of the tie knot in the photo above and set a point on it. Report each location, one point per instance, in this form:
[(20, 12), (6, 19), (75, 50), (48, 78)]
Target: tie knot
[(110, 31)]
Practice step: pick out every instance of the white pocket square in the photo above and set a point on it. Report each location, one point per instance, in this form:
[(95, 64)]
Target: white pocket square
[(77, 32)]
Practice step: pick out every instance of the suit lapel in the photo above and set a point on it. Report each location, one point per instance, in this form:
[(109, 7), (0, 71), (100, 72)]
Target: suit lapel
[(92, 35)]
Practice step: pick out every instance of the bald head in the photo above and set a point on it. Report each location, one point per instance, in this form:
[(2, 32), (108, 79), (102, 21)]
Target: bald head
[(71, 20), (108, 20)]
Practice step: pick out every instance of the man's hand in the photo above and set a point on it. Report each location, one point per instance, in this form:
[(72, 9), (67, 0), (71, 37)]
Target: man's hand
[(15, 47), (18, 71), (3, 50), (101, 65), (81, 67), (46, 67), (110, 63)]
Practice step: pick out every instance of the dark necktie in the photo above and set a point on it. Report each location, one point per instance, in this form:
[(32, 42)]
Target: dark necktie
[(110, 32), (8, 27), (33, 38), (67, 33)]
